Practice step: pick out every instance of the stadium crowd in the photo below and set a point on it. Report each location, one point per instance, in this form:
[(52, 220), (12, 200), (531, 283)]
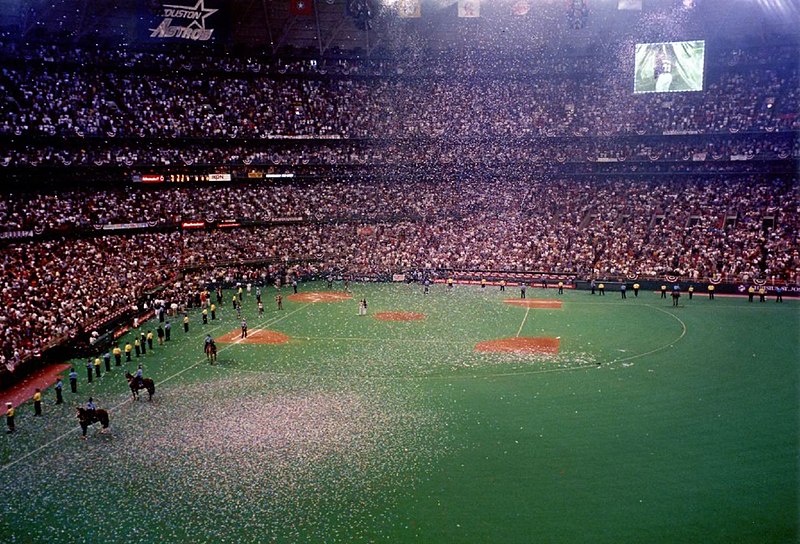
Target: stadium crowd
[(59, 98), (455, 166), (367, 225), (162, 155)]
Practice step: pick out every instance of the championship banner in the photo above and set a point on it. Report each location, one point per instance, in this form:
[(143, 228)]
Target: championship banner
[(409, 9), (469, 8), (189, 21)]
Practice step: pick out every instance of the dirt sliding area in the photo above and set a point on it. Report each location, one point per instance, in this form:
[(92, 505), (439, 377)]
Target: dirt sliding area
[(520, 345), (524, 345), (320, 296), (254, 337), (399, 316)]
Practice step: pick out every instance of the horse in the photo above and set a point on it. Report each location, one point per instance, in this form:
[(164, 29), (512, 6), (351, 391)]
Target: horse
[(147, 383), (211, 352), (86, 418)]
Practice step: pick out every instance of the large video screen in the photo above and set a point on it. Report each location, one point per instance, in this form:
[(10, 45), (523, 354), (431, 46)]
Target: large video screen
[(669, 67)]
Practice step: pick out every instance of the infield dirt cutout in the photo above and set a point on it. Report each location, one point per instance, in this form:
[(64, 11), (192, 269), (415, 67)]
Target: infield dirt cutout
[(398, 316), (520, 345), (254, 337), (320, 296), (535, 303)]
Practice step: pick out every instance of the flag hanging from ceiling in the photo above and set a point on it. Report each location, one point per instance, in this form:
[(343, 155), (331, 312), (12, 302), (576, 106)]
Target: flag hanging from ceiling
[(521, 8), (469, 8), (409, 9), (301, 7), (635, 5)]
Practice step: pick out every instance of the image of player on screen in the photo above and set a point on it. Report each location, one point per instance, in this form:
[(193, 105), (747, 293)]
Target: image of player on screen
[(662, 70), (672, 66)]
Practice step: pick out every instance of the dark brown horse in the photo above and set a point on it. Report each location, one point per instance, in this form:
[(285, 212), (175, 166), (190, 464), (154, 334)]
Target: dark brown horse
[(211, 352), (86, 418), (147, 383)]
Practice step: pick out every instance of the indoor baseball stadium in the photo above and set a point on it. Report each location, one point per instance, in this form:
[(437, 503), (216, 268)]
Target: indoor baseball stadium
[(400, 271)]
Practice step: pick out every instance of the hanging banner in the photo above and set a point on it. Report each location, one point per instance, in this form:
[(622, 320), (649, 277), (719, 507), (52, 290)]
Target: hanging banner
[(302, 8), (409, 9), (521, 8), (469, 8), (634, 5)]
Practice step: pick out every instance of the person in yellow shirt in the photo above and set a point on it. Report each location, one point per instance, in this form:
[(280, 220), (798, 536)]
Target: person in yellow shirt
[(97, 366), (711, 292), (601, 289), (450, 283), (205, 316), (213, 311), (150, 339), (691, 291), (117, 355), (128, 349), (663, 291), (37, 402), (137, 346), (502, 285), (750, 292), (185, 322), (483, 283), (561, 288), (636, 289), (762, 294), (10, 418)]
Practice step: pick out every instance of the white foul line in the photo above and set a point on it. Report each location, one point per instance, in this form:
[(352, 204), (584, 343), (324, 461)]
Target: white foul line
[(528, 309)]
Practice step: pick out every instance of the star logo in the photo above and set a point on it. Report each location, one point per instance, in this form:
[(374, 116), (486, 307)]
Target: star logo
[(198, 13)]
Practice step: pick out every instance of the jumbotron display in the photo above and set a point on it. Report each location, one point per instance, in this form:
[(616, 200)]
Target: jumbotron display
[(669, 67)]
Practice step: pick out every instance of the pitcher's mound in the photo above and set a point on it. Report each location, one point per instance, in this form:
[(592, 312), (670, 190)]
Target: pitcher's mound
[(399, 316), (254, 337), (320, 296), (534, 303), (519, 345)]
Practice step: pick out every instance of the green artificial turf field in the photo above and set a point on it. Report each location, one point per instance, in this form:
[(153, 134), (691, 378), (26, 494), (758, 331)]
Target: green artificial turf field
[(651, 424)]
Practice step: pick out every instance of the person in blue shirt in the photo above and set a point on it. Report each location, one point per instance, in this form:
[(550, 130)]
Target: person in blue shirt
[(59, 387), (89, 370), (139, 376), (107, 360), (73, 380), (91, 407)]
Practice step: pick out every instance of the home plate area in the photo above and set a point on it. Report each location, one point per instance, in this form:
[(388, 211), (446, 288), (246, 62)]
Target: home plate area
[(256, 336)]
